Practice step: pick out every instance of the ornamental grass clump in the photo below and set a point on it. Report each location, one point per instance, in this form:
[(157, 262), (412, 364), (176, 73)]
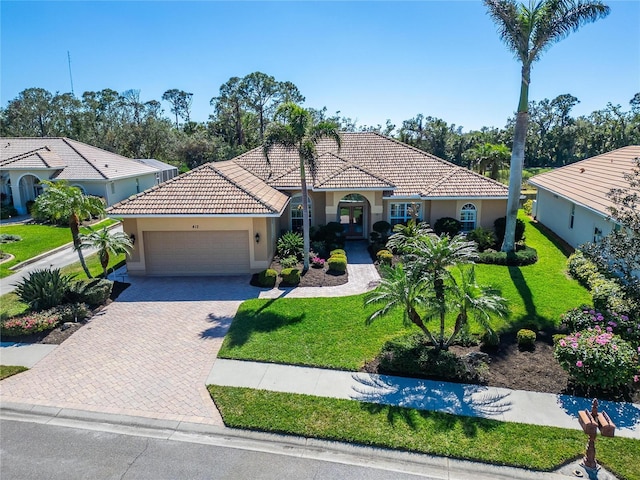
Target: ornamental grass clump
[(595, 358)]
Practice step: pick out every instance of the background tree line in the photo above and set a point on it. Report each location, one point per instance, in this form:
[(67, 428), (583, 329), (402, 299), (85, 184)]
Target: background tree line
[(243, 108)]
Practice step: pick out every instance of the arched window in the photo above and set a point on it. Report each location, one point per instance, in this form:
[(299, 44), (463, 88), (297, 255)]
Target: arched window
[(468, 217), (296, 212)]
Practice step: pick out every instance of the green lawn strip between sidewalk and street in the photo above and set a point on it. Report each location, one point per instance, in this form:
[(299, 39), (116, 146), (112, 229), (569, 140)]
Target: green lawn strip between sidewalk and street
[(8, 370), (489, 441)]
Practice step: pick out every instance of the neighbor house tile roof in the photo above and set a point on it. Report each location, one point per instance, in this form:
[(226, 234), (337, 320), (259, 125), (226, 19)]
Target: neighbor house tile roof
[(587, 182), (222, 188), (41, 158), (371, 160), (76, 160)]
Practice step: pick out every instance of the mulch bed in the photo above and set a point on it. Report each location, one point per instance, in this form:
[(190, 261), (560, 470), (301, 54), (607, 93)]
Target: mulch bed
[(314, 277), (61, 333)]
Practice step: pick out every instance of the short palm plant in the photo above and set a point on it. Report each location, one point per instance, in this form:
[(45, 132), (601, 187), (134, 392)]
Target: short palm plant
[(107, 243)]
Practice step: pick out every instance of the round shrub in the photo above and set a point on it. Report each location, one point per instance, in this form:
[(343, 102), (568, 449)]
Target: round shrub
[(483, 237), (526, 338), (447, 226), (267, 278), (500, 225), (30, 323), (290, 276), (338, 251), (608, 295), (581, 268), (382, 227), (520, 258), (72, 312), (594, 358), (385, 257), (337, 264), (92, 292)]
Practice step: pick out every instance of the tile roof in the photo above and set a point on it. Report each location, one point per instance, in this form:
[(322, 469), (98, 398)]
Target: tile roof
[(40, 158), (587, 182), (222, 188), (79, 161), (371, 160)]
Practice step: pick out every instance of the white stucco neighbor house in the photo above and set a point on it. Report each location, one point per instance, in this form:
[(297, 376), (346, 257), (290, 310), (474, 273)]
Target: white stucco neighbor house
[(24, 162), (225, 217), (572, 200)]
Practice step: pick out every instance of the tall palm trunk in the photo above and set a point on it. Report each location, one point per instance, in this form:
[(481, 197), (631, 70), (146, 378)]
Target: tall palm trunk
[(305, 217), (74, 226), (517, 162)]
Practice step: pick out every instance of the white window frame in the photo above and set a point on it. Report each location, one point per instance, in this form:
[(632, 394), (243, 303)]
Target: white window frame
[(295, 217), (400, 212), (468, 217)]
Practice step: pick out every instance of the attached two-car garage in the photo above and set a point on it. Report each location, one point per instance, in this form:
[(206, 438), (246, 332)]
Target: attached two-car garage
[(197, 252)]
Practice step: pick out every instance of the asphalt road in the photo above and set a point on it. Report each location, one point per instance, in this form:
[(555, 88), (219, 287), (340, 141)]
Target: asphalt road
[(38, 451)]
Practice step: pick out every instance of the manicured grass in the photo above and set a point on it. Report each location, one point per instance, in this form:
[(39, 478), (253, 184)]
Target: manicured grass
[(36, 239), (490, 441), (8, 370), (10, 305), (331, 332), (538, 294)]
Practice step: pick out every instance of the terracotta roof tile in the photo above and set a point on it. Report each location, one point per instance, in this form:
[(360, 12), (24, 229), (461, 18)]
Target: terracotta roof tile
[(587, 182), (222, 188)]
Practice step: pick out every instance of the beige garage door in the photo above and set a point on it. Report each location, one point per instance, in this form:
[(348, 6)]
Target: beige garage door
[(197, 253)]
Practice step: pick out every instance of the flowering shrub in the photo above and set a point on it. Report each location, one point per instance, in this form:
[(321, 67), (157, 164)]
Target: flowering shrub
[(597, 358), (317, 262), (584, 317), (30, 323)]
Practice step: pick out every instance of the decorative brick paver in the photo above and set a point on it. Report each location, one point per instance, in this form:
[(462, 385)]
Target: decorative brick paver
[(147, 354)]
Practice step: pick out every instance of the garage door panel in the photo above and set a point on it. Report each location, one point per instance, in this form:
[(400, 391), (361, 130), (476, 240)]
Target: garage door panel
[(197, 253)]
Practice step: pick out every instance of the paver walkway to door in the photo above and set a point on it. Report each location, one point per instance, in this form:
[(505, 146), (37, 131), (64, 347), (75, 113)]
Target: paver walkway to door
[(148, 354)]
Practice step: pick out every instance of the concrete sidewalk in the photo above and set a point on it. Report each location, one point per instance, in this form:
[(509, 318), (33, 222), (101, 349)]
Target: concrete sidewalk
[(23, 354), (459, 399)]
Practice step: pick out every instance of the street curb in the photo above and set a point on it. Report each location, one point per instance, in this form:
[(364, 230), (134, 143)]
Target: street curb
[(37, 258), (326, 450)]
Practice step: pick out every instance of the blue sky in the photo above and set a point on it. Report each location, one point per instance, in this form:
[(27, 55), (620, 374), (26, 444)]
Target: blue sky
[(372, 61)]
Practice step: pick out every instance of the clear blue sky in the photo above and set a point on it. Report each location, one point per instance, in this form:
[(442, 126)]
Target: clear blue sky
[(371, 60)]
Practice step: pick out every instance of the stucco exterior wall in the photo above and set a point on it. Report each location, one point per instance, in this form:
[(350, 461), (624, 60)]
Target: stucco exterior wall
[(260, 253), (444, 208), (120, 189), (491, 210), (555, 213)]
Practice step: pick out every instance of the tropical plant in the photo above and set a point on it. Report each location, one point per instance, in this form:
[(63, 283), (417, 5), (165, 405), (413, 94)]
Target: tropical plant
[(59, 201), (44, 288), (294, 129), (529, 30), (107, 243), (290, 244), (488, 157)]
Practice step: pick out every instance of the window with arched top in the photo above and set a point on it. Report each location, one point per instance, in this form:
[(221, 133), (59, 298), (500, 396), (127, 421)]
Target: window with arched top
[(296, 212), (468, 215)]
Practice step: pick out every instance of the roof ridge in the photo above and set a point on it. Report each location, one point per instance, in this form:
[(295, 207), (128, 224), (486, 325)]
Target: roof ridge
[(239, 187), (439, 182), (64, 139)]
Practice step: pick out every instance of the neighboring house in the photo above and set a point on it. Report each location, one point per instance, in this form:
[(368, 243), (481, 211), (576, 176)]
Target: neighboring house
[(24, 162), (165, 171), (225, 217), (572, 201)]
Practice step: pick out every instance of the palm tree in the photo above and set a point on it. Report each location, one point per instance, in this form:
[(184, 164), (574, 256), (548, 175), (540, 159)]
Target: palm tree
[(106, 243), (402, 286), (470, 299), (489, 156), (528, 31), (294, 129), (432, 256), (59, 201)]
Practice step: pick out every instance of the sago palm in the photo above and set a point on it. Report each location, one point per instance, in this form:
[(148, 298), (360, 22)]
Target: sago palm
[(107, 243), (528, 30), (59, 201), (295, 129)]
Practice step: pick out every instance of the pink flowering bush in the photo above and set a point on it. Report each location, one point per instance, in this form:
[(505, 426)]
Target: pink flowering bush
[(30, 323), (586, 317), (597, 358), (317, 262)]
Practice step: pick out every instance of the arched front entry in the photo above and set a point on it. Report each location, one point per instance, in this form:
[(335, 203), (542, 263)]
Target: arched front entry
[(353, 214), (30, 188)]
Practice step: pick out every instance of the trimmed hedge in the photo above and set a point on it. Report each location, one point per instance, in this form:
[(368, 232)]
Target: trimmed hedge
[(337, 263), (385, 257), (290, 276), (526, 256), (526, 338), (338, 251), (267, 278)]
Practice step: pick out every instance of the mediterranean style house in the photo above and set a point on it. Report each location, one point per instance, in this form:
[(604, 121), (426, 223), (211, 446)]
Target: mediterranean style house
[(572, 201), (225, 217), (25, 162)]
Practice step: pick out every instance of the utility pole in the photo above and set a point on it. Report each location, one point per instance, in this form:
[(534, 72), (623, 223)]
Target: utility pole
[(70, 76)]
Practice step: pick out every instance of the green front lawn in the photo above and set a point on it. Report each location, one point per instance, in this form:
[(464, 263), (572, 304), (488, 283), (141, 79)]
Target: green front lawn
[(331, 332), (477, 439), (36, 239)]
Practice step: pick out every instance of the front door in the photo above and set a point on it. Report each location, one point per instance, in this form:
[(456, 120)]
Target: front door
[(352, 220)]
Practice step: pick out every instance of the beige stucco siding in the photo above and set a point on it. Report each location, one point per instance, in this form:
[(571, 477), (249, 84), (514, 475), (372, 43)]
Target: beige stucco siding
[(443, 208), (555, 213), (492, 210), (260, 253)]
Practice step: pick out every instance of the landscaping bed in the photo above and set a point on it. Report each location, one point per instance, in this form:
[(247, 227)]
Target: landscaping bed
[(314, 277)]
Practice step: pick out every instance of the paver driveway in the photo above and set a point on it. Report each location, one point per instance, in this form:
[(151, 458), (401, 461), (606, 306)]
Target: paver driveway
[(147, 354)]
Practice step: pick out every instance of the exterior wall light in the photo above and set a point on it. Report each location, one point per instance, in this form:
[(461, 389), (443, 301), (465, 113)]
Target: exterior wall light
[(257, 238)]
